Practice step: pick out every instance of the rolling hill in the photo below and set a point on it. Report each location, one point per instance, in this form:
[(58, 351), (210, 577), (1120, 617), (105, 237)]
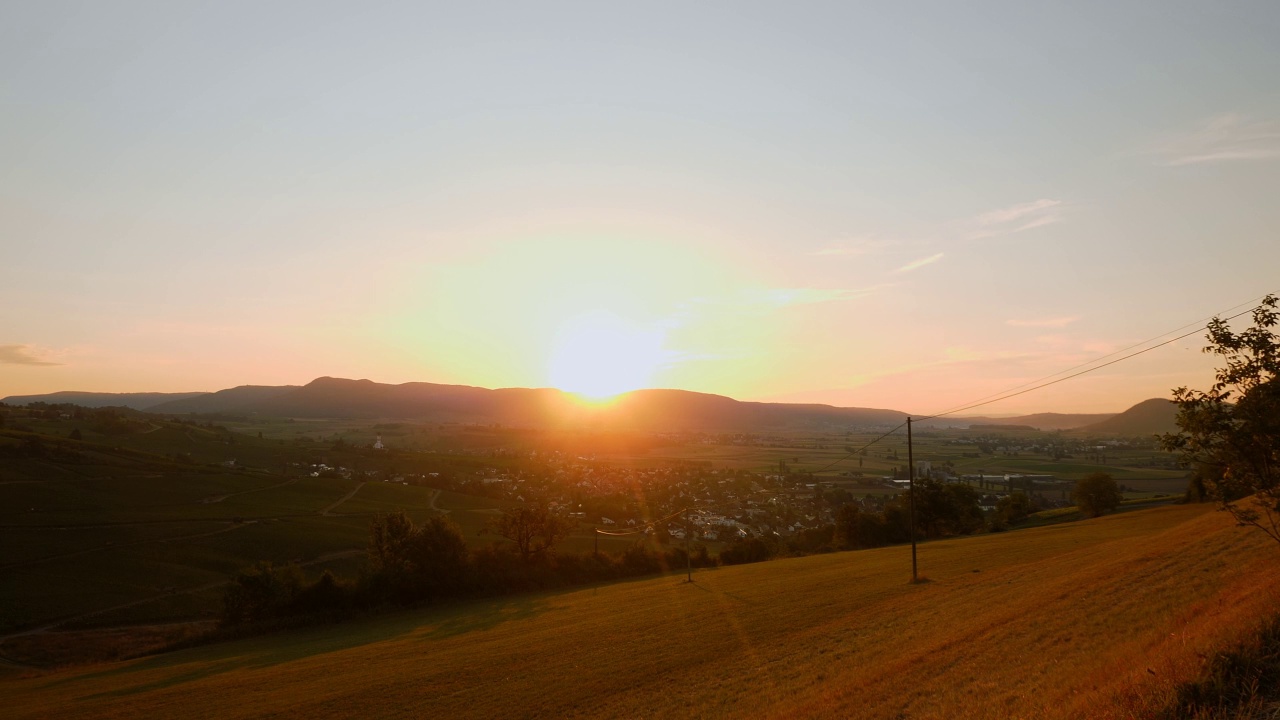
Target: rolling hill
[(328, 397), (1149, 417), (644, 410), (1100, 618), (137, 401), (231, 399)]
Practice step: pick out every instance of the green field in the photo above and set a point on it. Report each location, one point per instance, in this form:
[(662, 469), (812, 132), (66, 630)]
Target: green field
[(1091, 619), (149, 519)]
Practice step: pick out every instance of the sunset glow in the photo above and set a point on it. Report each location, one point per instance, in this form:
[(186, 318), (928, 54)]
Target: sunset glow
[(675, 207), (598, 355)]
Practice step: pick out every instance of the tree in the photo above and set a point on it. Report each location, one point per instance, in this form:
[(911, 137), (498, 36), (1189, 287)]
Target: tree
[(260, 592), (533, 529), (389, 540), (1096, 493), (1230, 434), (856, 529), (438, 557), (947, 509), (412, 563), (1012, 508)]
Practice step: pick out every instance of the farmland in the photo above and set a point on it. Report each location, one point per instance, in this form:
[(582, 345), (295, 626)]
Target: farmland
[(1090, 619), (143, 519)]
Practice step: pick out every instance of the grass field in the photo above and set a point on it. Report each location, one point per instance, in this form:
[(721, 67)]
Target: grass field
[(1091, 619), (144, 524)]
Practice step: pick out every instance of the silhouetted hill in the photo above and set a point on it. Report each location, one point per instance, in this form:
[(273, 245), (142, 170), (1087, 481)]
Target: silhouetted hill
[(642, 410), (137, 401), (536, 407), (231, 399), (1149, 417)]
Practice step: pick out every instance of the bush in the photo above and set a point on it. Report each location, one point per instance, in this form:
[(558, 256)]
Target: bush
[(1236, 683), (745, 550), (1095, 494), (260, 592)]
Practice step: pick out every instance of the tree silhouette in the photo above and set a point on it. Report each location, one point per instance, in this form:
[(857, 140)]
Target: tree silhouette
[(1230, 433)]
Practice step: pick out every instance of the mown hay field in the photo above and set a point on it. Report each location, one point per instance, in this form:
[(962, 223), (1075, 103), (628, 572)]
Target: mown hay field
[(1098, 618)]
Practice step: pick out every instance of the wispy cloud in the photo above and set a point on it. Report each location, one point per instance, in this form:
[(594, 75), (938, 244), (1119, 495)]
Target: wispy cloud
[(1017, 218), (1015, 212), (917, 264), (769, 299), (21, 355), (854, 247), (1051, 322), (951, 356), (780, 297), (1224, 138)]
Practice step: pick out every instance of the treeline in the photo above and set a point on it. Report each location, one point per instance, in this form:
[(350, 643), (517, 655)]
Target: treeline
[(942, 510), (411, 564)]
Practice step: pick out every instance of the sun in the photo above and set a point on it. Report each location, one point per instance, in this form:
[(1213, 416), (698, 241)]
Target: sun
[(598, 355)]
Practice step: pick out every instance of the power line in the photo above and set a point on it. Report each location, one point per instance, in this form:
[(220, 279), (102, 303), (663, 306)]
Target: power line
[(1201, 324), (640, 528), (839, 460), (1075, 375), (1005, 395)]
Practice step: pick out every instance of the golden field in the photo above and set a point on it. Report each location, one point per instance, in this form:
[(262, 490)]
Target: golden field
[(1097, 618)]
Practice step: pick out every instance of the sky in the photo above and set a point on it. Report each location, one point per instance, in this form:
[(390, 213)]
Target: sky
[(898, 205)]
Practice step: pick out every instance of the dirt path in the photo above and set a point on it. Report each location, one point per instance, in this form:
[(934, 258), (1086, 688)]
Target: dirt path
[(329, 510), (220, 498), (431, 503)]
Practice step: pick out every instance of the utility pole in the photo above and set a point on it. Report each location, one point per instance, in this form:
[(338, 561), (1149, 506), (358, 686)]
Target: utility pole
[(911, 484), (688, 559)]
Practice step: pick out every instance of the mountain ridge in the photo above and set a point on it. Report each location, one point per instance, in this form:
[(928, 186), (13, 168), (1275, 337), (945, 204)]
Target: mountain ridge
[(646, 409), (136, 401)]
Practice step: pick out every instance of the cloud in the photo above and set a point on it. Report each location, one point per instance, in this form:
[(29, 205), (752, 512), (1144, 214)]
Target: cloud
[(853, 248), (1016, 218), (1015, 212), (809, 295), (21, 355), (917, 264), (951, 356), (1224, 138), (1052, 322), (760, 302)]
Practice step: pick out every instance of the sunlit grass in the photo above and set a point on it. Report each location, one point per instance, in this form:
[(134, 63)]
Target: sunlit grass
[(1098, 618)]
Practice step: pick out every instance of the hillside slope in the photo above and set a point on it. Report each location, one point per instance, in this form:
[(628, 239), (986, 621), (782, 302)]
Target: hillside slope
[(642, 410), (231, 399), (660, 410), (1149, 417), (137, 401), (1090, 619)]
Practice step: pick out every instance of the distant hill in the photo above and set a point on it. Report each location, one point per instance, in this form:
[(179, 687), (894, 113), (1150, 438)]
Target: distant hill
[(653, 410), (641, 410), (1149, 417), (223, 400), (137, 401)]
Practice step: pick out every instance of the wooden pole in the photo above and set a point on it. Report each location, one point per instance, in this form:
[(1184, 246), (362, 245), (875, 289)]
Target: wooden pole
[(911, 483), (688, 559)]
